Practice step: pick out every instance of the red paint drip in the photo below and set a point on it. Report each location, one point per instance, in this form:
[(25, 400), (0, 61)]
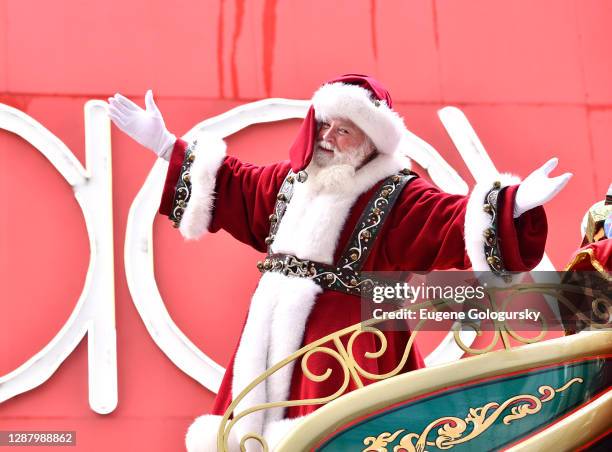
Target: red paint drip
[(435, 25), (220, 69), (269, 41), (238, 18), (373, 28)]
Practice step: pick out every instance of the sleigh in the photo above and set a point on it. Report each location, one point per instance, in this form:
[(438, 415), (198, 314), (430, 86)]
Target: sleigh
[(552, 395), (532, 394)]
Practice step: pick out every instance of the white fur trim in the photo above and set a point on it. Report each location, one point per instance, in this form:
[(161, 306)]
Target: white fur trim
[(202, 435), (209, 155), (274, 329), (276, 430), (477, 220), (287, 326), (251, 359), (341, 100)]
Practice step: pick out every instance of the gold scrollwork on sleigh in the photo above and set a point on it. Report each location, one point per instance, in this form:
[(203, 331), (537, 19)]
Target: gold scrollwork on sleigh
[(452, 430)]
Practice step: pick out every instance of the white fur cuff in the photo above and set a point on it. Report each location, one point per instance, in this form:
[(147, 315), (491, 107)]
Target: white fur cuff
[(202, 435), (276, 431), (477, 220), (209, 155)]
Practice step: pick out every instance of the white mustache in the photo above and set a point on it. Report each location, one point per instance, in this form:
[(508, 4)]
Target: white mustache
[(328, 146)]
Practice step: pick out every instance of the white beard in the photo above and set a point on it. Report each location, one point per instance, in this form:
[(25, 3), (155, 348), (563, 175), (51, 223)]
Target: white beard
[(330, 179), (333, 172), (353, 157)]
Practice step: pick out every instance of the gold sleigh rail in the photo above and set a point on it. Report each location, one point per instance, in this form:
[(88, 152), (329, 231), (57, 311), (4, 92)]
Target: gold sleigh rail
[(570, 433), (351, 370)]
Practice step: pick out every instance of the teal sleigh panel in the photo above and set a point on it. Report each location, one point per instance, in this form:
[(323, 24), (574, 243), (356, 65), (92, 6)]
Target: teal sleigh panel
[(480, 415)]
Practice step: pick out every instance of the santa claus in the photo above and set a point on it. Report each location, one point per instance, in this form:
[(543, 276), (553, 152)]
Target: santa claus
[(344, 203)]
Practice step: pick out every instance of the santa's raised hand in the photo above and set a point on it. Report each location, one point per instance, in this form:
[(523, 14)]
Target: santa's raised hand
[(147, 127), (537, 189)]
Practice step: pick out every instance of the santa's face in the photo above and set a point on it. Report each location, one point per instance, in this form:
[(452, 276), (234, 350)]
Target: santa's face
[(341, 142)]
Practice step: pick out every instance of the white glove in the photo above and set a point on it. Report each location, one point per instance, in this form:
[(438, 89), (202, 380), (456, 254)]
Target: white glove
[(144, 126), (537, 189)]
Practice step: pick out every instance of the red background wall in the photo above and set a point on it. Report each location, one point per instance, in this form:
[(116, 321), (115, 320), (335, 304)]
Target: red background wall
[(532, 77)]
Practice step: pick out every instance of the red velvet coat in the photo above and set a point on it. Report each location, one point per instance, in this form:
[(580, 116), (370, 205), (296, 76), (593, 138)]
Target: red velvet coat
[(427, 229)]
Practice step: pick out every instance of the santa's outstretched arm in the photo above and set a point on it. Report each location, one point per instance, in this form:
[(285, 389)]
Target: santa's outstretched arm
[(500, 227), (205, 190)]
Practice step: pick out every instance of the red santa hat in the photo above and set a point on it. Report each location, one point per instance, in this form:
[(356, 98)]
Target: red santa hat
[(359, 98)]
